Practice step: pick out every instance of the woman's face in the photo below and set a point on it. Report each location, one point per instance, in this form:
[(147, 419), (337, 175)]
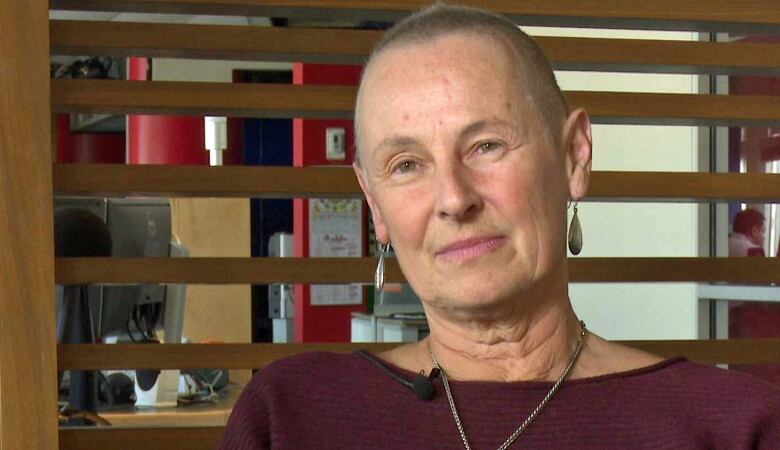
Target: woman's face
[(459, 173)]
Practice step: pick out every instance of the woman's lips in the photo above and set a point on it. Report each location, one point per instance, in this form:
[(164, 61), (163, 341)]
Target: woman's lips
[(470, 248)]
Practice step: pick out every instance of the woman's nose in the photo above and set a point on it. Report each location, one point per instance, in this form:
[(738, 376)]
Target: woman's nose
[(456, 196)]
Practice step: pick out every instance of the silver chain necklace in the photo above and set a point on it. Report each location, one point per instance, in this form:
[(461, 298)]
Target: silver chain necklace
[(533, 414)]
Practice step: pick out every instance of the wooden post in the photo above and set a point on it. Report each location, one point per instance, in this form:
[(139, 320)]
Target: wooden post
[(28, 396)]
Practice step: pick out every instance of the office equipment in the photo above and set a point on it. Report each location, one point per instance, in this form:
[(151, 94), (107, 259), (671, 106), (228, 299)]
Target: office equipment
[(134, 312)]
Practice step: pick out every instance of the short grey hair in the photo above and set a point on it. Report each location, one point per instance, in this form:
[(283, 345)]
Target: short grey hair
[(538, 79)]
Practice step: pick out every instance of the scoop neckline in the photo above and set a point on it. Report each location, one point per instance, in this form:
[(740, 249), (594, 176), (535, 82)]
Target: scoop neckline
[(639, 371)]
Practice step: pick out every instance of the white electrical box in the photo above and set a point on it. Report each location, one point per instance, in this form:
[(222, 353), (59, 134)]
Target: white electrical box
[(334, 144)]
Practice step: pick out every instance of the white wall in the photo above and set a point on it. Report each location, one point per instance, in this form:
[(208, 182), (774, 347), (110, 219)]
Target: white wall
[(637, 310)]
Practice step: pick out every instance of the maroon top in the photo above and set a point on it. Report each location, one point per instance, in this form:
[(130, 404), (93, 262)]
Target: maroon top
[(341, 401)]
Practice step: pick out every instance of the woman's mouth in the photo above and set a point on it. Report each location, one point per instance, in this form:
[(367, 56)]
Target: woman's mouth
[(465, 249)]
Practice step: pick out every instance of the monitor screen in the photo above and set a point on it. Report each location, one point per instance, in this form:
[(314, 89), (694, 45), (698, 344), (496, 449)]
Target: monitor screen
[(139, 228)]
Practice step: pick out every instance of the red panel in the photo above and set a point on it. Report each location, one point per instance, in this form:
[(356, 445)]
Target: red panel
[(106, 148), (93, 148), (64, 139), (138, 68), (164, 139), (338, 75), (318, 323)]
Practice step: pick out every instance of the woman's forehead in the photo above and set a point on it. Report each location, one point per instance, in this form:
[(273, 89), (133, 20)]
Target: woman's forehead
[(421, 87)]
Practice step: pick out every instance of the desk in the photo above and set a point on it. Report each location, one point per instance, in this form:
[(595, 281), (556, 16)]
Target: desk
[(203, 414)]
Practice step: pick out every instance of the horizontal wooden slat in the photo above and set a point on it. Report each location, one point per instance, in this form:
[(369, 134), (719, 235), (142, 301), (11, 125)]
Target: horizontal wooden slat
[(683, 186), (656, 56), (353, 46), (702, 270), (255, 356), (272, 100), (763, 15), (219, 270), (147, 438), (70, 37), (202, 181), (190, 356), (676, 109), (287, 182), (217, 99), (71, 271)]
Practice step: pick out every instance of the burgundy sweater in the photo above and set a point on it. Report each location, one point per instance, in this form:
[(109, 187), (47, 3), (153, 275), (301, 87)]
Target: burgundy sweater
[(341, 401)]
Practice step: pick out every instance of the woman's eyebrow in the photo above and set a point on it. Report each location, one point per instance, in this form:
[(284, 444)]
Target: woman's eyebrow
[(481, 125), (392, 142)]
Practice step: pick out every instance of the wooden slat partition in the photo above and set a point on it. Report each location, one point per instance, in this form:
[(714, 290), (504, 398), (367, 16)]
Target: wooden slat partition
[(113, 438), (255, 356), (269, 100), (351, 46), (287, 182), (753, 15), (123, 39), (360, 270), (28, 398)]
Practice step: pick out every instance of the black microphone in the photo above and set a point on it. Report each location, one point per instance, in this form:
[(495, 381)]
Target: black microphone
[(422, 386)]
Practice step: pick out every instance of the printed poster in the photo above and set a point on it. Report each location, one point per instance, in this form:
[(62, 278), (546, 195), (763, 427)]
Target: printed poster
[(335, 231)]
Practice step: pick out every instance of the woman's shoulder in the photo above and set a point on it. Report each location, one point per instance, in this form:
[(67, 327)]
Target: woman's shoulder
[(731, 385), (629, 367), (699, 388)]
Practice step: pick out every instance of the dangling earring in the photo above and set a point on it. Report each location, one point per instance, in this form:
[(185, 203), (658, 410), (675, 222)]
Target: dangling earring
[(575, 233), (379, 276)]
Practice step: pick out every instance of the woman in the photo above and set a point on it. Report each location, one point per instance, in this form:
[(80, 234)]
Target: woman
[(468, 157)]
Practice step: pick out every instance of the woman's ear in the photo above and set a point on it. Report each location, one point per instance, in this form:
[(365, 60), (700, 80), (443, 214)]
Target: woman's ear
[(379, 225), (578, 145)]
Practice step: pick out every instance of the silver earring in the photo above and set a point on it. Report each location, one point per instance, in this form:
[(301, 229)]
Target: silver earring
[(379, 276), (575, 233)]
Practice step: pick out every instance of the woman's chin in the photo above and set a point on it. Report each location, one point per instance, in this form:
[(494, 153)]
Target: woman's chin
[(478, 300)]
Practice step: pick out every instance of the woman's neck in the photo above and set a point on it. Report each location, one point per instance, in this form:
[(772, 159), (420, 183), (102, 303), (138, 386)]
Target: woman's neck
[(534, 346)]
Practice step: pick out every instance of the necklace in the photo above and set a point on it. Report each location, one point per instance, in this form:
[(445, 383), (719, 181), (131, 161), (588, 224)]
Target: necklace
[(533, 414)]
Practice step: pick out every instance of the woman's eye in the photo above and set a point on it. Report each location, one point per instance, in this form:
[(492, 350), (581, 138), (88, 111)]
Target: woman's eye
[(487, 147), (405, 167)]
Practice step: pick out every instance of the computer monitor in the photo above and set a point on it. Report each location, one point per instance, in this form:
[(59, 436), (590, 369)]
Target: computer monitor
[(138, 228)]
